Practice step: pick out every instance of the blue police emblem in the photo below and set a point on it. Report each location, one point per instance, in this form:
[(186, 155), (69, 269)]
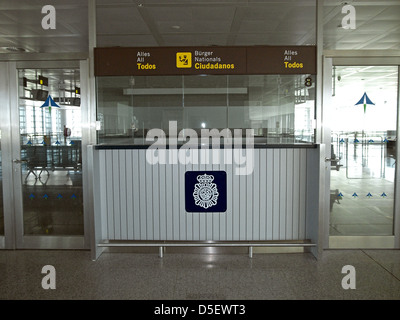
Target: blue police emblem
[(205, 191)]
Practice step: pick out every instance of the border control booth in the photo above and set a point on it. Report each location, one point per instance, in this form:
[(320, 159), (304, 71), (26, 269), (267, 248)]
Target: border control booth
[(206, 147)]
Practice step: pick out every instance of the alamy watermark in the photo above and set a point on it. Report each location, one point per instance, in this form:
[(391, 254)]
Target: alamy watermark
[(349, 20), (49, 20), (49, 280), (349, 280), (199, 150)]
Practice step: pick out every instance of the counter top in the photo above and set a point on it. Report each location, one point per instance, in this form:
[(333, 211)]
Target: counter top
[(255, 146)]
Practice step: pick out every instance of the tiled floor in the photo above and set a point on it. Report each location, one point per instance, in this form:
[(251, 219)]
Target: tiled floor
[(287, 276)]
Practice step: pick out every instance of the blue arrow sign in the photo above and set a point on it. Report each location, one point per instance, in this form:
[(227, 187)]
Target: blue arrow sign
[(58, 142), (340, 195), (364, 101), (354, 195), (356, 140), (29, 142), (383, 195), (371, 141), (45, 197), (49, 103), (369, 195), (341, 140), (73, 196), (59, 196), (31, 196)]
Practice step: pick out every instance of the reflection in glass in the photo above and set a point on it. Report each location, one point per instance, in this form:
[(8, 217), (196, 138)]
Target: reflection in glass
[(363, 146), (50, 141), (279, 108)]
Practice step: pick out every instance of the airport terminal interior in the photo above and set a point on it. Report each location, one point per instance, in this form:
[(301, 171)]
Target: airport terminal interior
[(57, 102)]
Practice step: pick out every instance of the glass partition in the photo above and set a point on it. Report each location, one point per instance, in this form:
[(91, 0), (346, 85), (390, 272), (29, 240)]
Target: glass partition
[(280, 108)]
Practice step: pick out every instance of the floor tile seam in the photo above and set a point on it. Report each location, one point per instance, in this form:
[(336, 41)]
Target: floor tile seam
[(381, 265)]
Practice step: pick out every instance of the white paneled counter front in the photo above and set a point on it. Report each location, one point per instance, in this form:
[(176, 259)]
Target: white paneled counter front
[(138, 200)]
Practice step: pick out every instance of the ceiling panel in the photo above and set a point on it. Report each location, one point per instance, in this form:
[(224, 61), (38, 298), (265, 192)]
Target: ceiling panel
[(258, 26), (120, 20), (199, 22), (127, 41)]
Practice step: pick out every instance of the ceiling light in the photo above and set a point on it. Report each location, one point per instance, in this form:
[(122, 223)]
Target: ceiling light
[(176, 27)]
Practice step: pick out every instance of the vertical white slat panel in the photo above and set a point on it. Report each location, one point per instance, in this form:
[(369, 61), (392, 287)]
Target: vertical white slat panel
[(142, 195), (242, 206), (169, 196), (235, 199), (249, 203), (188, 215), (270, 193), (276, 188), (229, 194), (222, 221), (129, 194), (175, 201), (181, 211), (282, 194), (148, 168), (263, 193), (296, 193), (116, 191), (209, 216), (163, 202), (203, 216), (303, 184), (256, 196), (215, 232), (195, 217), (289, 195), (169, 199), (222, 215), (136, 194), (103, 194), (156, 200), (110, 194), (122, 193)]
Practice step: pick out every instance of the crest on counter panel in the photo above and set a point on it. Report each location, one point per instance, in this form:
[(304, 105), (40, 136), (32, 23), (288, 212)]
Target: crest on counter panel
[(205, 191)]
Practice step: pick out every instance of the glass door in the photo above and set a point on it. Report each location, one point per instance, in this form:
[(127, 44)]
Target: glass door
[(363, 123), (48, 159)]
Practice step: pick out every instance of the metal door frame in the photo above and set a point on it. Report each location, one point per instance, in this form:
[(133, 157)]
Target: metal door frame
[(9, 116), (358, 58)]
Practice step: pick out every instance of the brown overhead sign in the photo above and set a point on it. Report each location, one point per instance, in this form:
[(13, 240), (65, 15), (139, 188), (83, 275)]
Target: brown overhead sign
[(117, 61)]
